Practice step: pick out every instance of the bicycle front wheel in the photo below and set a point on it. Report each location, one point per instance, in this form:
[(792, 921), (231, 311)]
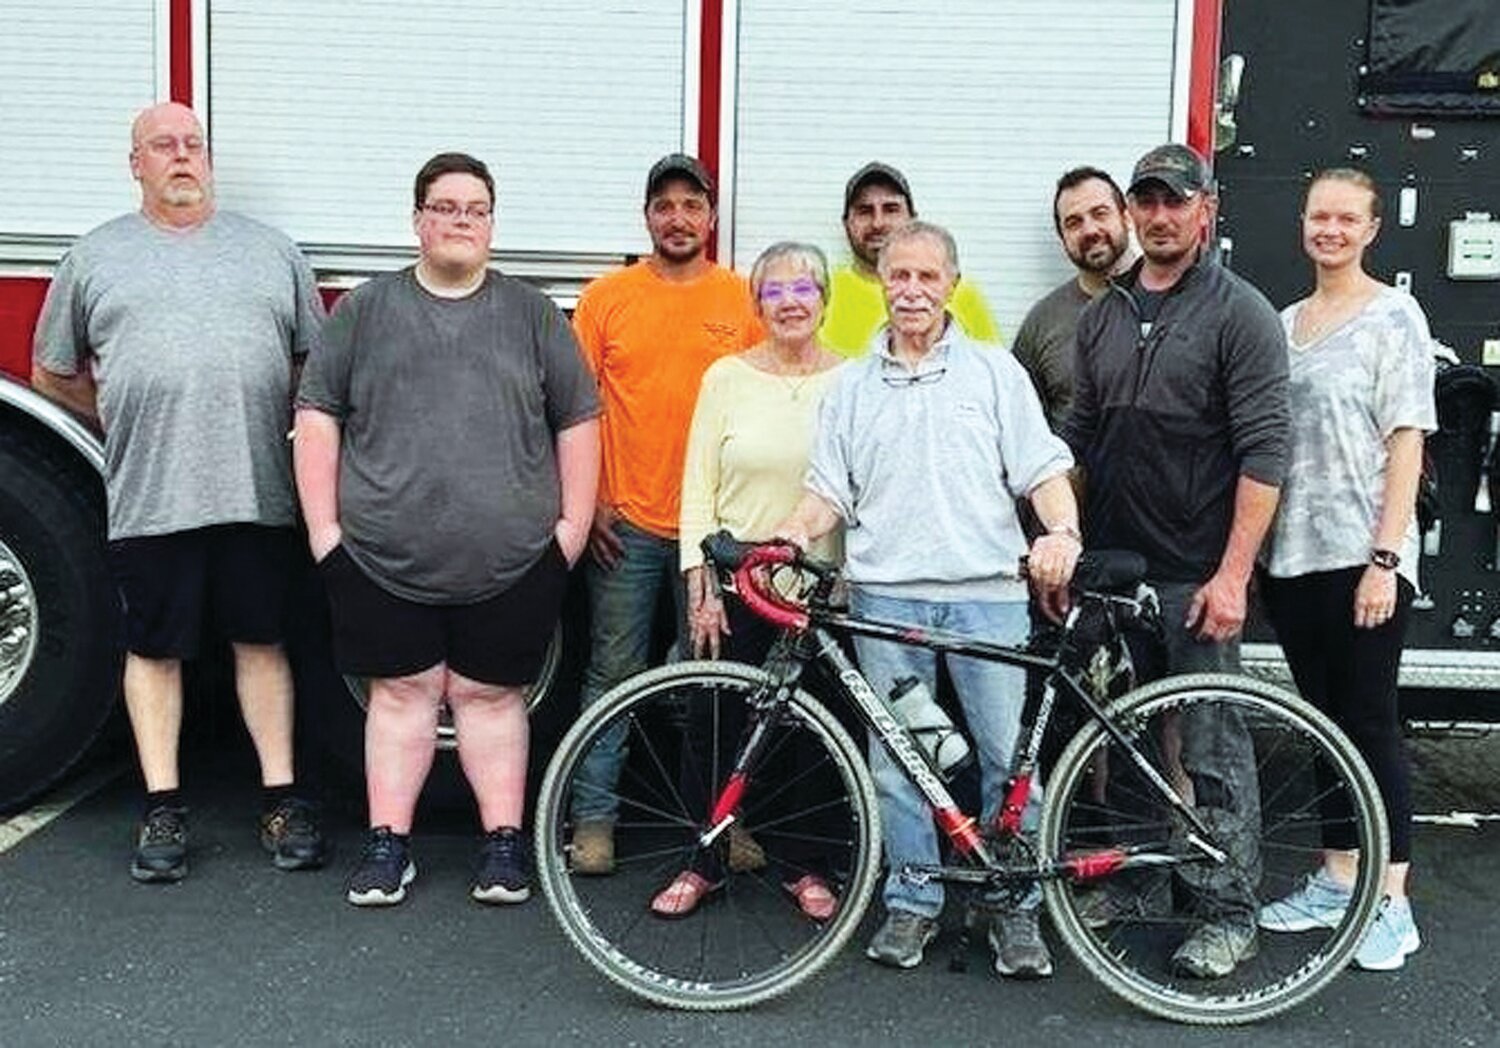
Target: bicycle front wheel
[(808, 809), (1166, 916)]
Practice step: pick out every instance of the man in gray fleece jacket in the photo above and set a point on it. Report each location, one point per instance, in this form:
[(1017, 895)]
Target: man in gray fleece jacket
[(1181, 421), (922, 448)]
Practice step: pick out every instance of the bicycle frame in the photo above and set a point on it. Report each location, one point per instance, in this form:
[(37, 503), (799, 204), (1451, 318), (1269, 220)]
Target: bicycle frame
[(808, 631)]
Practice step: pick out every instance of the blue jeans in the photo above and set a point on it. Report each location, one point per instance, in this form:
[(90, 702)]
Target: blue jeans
[(992, 696), (622, 607)]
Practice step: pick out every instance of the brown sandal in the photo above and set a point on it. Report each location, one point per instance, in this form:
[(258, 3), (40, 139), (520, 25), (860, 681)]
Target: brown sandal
[(814, 897), (684, 895)]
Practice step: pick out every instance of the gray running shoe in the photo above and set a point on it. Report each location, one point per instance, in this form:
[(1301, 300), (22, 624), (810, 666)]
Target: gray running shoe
[(1020, 951), (901, 939), (1213, 950)]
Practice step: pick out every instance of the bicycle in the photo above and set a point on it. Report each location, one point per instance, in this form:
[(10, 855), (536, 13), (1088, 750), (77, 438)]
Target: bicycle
[(1131, 852)]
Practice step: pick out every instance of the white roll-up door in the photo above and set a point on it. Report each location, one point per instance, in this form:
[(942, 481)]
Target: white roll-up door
[(323, 112), (75, 74), (981, 103)]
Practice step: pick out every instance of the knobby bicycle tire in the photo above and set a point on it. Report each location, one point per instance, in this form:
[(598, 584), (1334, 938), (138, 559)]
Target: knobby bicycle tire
[(1310, 786), (747, 942)]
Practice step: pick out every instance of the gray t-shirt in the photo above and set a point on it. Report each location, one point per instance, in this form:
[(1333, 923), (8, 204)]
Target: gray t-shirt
[(190, 336), (1350, 390), (450, 408), (924, 465), (1046, 343)]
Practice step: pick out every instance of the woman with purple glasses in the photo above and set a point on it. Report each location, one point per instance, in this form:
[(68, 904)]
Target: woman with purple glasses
[(747, 458)]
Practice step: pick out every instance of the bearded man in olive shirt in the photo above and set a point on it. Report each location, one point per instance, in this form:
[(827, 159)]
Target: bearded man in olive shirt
[(1088, 210)]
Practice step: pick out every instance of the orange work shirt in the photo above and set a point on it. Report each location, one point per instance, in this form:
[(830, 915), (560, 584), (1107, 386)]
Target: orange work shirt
[(649, 340)]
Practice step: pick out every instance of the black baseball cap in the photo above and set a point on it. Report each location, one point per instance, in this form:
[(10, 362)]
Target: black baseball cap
[(875, 171), (1177, 167), (680, 165)]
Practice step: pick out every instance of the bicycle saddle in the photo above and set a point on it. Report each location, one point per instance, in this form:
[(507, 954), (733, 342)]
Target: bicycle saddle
[(1117, 571)]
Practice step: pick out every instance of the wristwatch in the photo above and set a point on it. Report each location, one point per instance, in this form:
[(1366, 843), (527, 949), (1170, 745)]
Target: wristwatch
[(1386, 559)]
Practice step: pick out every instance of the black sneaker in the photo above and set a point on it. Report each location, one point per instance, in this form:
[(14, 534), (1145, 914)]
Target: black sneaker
[(290, 833), (501, 872), (161, 846), (385, 869)]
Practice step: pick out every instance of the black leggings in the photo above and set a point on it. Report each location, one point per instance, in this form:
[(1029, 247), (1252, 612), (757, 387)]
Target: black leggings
[(1349, 674)]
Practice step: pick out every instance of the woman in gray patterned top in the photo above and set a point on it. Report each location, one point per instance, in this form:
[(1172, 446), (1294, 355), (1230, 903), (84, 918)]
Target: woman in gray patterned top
[(1340, 565)]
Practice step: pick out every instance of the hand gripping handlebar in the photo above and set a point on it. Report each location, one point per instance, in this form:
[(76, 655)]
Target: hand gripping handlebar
[(743, 559)]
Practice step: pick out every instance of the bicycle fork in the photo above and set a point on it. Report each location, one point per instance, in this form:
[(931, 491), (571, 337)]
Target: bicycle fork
[(724, 811)]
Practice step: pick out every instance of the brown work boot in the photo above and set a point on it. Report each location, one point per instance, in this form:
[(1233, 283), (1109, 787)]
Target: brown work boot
[(594, 847), (745, 853)]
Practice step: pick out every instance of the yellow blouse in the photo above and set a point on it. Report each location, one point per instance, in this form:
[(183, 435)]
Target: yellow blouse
[(747, 454)]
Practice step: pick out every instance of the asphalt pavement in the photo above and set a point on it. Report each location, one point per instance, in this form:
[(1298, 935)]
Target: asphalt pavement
[(240, 954)]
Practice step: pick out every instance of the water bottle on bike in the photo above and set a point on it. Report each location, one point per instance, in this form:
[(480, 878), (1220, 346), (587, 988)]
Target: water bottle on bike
[(930, 725)]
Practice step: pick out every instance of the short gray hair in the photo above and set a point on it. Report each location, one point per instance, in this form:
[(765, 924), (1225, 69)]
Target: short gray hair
[(917, 229), (804, 256)]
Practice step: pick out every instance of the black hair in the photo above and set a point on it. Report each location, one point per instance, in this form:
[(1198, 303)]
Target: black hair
[(1078, 176)]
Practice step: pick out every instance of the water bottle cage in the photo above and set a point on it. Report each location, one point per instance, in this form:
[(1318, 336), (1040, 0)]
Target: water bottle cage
[(934, 739)]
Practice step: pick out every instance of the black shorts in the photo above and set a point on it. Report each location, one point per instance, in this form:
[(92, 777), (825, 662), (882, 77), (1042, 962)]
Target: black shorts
[(500, 640), (234, 577)]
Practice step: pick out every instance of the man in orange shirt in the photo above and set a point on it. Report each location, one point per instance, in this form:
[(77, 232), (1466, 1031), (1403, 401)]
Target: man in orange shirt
[(649, 331)]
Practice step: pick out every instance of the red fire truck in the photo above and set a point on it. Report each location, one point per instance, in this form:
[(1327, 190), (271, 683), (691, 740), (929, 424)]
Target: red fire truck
[(319, 113)]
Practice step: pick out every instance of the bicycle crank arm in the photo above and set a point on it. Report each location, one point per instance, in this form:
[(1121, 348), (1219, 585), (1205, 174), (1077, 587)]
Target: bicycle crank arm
[(916, 874)]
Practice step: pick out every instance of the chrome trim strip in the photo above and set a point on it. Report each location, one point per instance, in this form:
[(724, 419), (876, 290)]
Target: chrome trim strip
[(56, 418)]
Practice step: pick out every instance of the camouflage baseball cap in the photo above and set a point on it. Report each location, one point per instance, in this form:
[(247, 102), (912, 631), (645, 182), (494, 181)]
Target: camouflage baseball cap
[(877, 173), (687, 168), (1177, 167)]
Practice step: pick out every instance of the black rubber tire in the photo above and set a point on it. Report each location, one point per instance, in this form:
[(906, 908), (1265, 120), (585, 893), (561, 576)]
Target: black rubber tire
[(52, 519), (1290, 738), (653, 977)]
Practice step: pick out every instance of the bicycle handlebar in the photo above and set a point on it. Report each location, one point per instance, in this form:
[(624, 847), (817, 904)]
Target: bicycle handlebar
[(1098, 571), (743, 559)]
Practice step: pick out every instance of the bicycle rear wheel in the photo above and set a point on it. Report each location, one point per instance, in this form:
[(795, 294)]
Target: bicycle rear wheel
[(1274, 780), (809, 807)]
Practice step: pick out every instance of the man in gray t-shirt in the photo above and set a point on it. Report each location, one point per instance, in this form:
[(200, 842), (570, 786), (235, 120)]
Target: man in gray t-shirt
[(177, 329), (1088, 210), (447, 454)]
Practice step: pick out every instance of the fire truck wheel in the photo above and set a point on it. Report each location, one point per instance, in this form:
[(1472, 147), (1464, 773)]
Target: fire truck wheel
[(59, 665)]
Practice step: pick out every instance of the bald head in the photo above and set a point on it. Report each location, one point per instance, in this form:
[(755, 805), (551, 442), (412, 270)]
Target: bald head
[(169, 158), (173, 117)]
